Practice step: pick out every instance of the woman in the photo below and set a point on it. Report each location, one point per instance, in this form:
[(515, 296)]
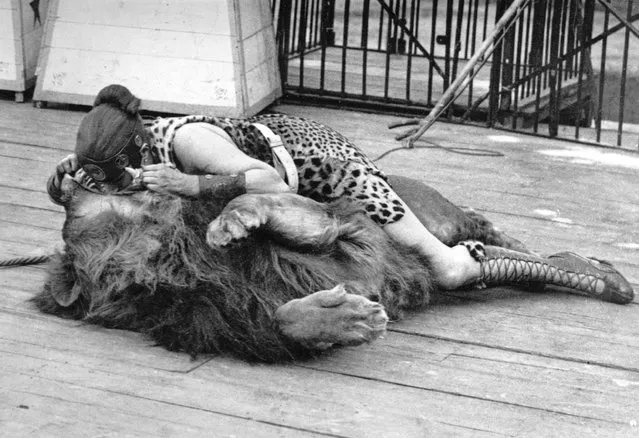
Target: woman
[(209, 156)]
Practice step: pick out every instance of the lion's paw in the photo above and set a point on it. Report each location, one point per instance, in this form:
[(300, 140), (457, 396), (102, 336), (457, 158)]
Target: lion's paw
[(235, 223), (331, 317)]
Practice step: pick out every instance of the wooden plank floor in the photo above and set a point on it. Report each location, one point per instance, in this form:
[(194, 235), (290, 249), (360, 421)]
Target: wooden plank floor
[(499, 362)]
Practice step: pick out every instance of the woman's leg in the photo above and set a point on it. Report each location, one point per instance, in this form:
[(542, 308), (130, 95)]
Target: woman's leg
[(453, 266)]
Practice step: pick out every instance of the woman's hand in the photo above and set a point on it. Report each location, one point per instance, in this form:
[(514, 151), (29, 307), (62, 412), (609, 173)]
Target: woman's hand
[(68, 164), (166, 179)]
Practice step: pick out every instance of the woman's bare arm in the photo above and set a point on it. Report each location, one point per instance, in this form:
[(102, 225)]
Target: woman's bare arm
[(202, 149)]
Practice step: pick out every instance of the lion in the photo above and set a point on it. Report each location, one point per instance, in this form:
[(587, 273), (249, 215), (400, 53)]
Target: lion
[(267, 277)]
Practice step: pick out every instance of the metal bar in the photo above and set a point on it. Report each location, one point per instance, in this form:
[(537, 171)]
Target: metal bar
[(381, 27), (585, 65), (388, 42), (508, 54), (525, 90), (462, 80), (626, 21), (433, 37), (517, 66), (592, 42), (392, 44), (283, 41), (547, 40), (347, 6), (554, 75), (364, 43), (417, 20), (468, 20), (602, 77), (457, 49), (624, 71), (572, 37), (409, 54), (449, 27), (486, 9), (326, 35), (302, 39), (472, 49), (495, 72), (537, 54), (295, 27), (425, 52)]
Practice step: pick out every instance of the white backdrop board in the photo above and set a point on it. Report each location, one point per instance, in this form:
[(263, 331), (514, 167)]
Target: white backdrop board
[(180, 56), (21, 24)]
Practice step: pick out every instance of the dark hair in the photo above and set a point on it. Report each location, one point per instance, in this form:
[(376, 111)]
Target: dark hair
[(119, 97)]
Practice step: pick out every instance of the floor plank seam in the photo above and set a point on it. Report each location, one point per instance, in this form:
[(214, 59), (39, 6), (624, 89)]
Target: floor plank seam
[(184, 406), (462, 395), (515, 350)]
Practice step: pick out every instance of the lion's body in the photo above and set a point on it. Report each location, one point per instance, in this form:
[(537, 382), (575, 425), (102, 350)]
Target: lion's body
[(142, 263)]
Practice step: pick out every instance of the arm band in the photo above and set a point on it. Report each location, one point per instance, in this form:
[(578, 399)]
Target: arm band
[(221, 186)]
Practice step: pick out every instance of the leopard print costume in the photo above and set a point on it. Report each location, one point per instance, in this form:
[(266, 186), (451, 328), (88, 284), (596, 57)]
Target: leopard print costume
[(329, 166)]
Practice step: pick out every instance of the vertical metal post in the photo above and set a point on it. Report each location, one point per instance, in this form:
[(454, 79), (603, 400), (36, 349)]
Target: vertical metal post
[(537, 53), (449, 31), (283, 39), (602, 76), (302, 38), (388, 42), (553, 110), (624, 72), (347, 6), (414, 16), (507, 61), (364, 43), (495, 72), (433, 38), (585, 66)]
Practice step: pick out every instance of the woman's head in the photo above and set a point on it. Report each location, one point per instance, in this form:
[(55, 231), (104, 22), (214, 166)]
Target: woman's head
[(111, 135)]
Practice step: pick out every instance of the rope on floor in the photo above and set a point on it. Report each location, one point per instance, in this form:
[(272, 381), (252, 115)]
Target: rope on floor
[(24, 261)]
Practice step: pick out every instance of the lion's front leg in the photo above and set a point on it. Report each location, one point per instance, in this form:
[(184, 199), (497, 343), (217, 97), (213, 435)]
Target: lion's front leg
[(297, 220), (331, 317)]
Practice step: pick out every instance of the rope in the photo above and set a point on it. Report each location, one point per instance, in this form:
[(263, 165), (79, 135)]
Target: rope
[(455, 150), (24, 261)]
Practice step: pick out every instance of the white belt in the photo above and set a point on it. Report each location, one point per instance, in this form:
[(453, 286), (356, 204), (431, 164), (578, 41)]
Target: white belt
[(281, 158)]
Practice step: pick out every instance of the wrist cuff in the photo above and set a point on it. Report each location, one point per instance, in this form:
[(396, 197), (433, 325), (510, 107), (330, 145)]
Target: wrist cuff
[(221, 186)]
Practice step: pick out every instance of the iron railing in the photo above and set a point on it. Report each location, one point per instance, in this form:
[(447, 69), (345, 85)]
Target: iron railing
[(553, 72)]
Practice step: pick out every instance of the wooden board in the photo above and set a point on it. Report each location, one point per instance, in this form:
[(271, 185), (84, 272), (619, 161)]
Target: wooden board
[(190, 57), (21, 27), (496, 362)]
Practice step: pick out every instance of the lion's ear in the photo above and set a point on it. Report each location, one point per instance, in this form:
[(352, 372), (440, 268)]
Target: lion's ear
[(65, 297)]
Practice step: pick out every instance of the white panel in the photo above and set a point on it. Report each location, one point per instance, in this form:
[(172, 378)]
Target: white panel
[(166, 44), (7, 46), (254, 15), (199, 16), (261, 82), (258, 48), (31, 43), (153, 78), (5, 4), (8, 70), (6, 25)]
